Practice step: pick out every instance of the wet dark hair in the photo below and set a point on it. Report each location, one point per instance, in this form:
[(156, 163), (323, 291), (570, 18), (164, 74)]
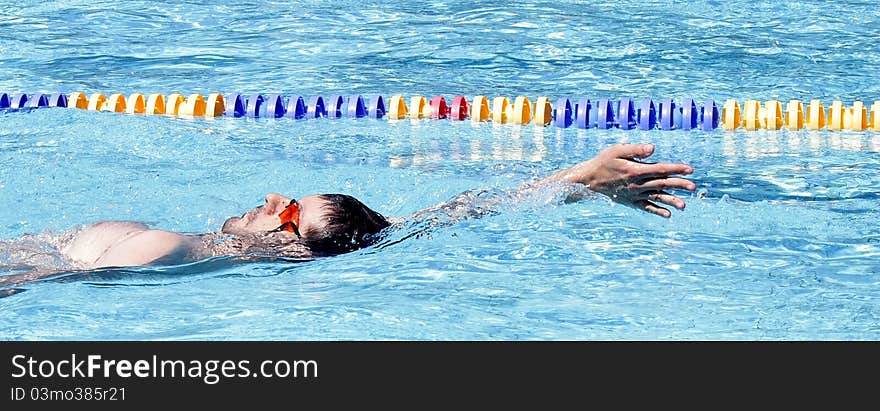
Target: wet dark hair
[(350, 225)]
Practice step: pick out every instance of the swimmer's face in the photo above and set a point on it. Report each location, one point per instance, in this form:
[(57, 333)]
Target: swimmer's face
[(266, 217)]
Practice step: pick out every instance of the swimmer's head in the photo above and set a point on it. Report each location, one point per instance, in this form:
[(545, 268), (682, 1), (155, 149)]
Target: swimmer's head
[(315, 225)]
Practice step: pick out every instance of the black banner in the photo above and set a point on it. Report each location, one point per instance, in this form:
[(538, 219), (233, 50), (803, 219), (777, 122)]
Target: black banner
[(328, 375)]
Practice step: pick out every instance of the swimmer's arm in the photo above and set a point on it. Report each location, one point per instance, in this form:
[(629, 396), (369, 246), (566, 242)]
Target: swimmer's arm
[(617, 173), (473, 204), (21, 278)]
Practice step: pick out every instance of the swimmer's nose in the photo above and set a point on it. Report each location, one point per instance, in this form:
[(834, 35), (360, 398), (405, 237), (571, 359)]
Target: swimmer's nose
[(276, 201), (272, 198)]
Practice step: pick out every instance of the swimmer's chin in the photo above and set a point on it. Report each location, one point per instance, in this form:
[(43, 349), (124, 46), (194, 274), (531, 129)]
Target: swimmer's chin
[(229, 226)]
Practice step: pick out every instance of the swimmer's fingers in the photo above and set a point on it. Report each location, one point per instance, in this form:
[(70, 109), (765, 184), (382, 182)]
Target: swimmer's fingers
[(663, 197), (653, 208), (645, 171), (629, 151), (672, 183)]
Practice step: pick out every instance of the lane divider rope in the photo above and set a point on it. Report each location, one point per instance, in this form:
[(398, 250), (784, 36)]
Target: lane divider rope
[(584, 113)]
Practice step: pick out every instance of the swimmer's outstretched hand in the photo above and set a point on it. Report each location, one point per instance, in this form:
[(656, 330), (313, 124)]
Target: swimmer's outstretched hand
[(617, 172)]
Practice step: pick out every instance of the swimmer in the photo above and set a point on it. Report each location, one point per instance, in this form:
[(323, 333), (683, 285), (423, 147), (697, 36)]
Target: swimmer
[(330, 224)]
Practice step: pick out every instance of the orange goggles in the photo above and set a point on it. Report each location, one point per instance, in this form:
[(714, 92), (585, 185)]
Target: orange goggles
[(290, 218)]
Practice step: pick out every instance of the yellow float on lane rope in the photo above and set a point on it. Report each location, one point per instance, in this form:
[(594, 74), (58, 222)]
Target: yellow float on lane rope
[(480, 109), (522, 110), (836, 115), (114, 103), (815, 115), (417, 105), (772, 115), (77, 100), (215, 106), (752, 115), (96, 102), (173, 103), (856, 117), (193, 106), (135, 104), (543, 112), (794, 115), (499, 109), (155, 104), (396, 108), (875, 116), (730, 115)]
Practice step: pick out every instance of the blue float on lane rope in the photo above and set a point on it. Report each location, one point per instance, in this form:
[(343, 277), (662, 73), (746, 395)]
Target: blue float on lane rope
[(235, 106), (647, 115), (356, 107), (38, 101), (316, 108), (604, 114), (376, 107), (18, 101), (626, 118), (254, 103), (709, 116), (58, 100), (562, 114), (273, 107), (667, 109), (583, 110), (296, 108), (690, 115), (334, 106)]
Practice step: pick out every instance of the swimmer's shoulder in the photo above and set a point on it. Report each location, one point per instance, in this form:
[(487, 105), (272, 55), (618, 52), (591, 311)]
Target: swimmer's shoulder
[(90, 242), (148, 247), (128, 243)]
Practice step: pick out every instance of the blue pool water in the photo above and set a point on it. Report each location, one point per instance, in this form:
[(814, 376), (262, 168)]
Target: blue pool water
[(783, 244)]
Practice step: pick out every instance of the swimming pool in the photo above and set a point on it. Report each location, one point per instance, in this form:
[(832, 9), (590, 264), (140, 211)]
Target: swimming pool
[(784, 244)]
